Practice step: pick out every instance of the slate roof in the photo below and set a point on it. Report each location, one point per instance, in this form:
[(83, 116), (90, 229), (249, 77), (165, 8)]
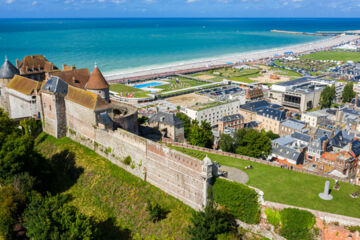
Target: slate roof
[(341, 139), (75, 77), (96, 80), (295, 81), (231, 118), (35, 64), (254, 106), (301, 137), (322, 132), (286, 140), (294, 124), (24, 85), (8, 70), (166, 118), (272, 113), (55, 85), (355, 147), (288, 153), (87, 99), (317, 143)]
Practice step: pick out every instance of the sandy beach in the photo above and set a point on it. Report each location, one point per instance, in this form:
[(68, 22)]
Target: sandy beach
[(224, 60)]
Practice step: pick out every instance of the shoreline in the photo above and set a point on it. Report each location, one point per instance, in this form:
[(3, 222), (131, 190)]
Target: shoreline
[(242, 57)]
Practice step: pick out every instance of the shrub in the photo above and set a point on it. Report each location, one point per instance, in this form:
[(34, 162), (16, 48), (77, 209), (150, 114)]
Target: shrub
[(127, 160), (296, 224), (241, 200), (353, 228), (273, 217), (156, 212)]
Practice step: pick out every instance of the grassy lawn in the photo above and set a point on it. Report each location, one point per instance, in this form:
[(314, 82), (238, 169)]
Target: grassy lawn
[(182, 83), (138, 93), (290, 187), (106, 191), (284, 72), (334, 55)]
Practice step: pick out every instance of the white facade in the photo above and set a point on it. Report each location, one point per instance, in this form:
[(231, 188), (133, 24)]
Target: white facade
[(21, 105), (212, 115), (312, 118)]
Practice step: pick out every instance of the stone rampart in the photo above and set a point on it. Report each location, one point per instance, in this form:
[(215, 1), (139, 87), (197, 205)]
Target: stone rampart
[(175, 173)]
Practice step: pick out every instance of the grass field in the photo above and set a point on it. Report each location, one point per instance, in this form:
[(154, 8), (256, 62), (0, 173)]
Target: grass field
[(290, 187), (334, 55), (182, 83), (138, 93), (284, 72), (112, 195)]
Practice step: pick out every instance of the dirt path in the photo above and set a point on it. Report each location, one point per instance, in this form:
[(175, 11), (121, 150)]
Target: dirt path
[(235, 174)]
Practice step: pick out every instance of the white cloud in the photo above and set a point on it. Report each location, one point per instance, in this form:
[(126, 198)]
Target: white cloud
[(9, 1), (34, 3), (191, 1)]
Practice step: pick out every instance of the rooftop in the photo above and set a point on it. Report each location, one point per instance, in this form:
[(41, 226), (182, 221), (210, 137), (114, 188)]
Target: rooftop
[(74, 77), (24, 85), (87, 99), (96, 80), (8, 70), (166, 118), (301, 137), (294, 124), (55, 85), (35, 64), (272, 113), (231, 118)]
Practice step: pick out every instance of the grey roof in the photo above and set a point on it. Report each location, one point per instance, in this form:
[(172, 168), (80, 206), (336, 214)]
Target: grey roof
[(355, 147), (286, 140), (294, 124), (254, 106), (8, 70), (166, 118), (317, 143), (322, 132), (288, 153), (341, 139), (295, 81), (272, 113), (56, 85), (301, 137), (231, 118)]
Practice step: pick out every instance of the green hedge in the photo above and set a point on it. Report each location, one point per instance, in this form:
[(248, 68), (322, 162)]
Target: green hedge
[(241, 200), (273, 217), (297, 224)]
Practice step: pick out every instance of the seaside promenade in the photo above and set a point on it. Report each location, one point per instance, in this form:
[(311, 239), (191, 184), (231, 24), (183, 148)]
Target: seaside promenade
[(200, 65)]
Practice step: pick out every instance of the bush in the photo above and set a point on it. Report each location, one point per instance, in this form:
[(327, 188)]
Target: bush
[(156, 212), (127, 160), (273, 217), (241, 200), (297, 224)]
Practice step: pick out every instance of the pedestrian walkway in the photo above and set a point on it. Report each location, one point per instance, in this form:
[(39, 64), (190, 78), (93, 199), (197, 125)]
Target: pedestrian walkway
[(235, 174)]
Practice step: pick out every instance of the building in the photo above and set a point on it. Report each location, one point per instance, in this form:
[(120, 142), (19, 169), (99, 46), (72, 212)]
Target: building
[(7, 72), (21, 98), (291, 126), (35, 67), (249, 110), (313, 118), (300, 94), (169, 125), (213, 112), (287, 156), (254, 93), (235, 121), (74, 77), (270, 119)]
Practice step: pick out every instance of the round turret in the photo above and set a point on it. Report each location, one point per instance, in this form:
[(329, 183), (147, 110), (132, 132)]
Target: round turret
[(8, 70), (97, 84)]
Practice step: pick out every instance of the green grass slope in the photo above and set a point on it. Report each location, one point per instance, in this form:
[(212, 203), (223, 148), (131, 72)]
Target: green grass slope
[(334, 55), (112, 195)]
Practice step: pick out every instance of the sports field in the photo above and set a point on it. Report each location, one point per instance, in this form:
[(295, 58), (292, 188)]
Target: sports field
[(138, 93), (334, 55)]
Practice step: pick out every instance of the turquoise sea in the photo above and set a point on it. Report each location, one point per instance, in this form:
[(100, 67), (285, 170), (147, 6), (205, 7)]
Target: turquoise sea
[(121, 44)]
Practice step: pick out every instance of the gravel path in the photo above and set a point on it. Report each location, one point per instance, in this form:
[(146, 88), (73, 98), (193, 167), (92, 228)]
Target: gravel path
[(235, 174)]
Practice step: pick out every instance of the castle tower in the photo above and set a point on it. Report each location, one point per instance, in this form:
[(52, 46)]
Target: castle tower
[(7, 72), (97, 84)]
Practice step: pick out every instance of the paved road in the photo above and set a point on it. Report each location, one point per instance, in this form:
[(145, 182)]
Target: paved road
[(236, 174)]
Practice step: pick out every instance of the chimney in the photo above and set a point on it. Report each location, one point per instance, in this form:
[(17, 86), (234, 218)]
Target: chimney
[(17, 63)]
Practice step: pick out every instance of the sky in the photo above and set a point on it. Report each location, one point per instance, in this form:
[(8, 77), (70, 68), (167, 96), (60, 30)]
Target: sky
[(178, 8)]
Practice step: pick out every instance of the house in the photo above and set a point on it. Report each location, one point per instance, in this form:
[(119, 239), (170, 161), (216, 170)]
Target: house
[(313, 118), (35, 67), (235, 121), (169, 125), (287, 156), (270, 119), (291, 126)]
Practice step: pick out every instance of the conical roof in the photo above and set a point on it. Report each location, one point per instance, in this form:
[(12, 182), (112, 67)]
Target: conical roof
[(96, 80), (8, 71)]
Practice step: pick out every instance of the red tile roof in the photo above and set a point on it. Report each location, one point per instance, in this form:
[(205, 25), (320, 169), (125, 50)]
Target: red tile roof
[(96, 80)]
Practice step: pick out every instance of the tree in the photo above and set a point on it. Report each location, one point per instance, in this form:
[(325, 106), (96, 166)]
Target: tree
[(201, 135), (253, 143), (51, 218), (272, 135), (156, 212), (11, 206), (327, 96), (7, 126), (226, 143), (207, 224), (348, 94), (187, 123)]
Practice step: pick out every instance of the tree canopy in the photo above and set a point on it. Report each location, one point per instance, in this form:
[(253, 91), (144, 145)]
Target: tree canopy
[(348, 93), (327, 96), (249, 142), (201, 135)]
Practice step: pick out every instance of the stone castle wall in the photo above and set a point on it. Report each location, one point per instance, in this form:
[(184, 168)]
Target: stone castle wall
[(175, 173)]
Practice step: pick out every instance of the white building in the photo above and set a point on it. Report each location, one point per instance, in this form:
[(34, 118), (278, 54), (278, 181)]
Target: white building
[(312, 118), (213, 112)]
